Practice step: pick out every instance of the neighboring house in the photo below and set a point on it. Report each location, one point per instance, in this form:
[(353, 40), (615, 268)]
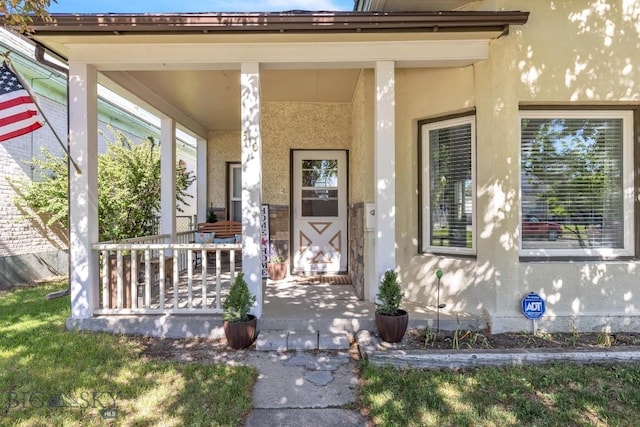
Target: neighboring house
[(394, 137), (30, 250)]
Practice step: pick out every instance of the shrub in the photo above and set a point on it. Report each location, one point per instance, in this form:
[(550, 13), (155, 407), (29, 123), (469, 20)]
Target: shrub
[(390, 294), (239, 301), (128, 189)]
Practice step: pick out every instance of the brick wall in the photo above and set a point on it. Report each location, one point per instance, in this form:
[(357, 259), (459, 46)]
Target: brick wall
[(29, 249)]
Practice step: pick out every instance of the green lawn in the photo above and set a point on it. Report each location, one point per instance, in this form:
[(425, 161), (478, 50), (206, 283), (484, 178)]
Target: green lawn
[(553, 395), (52, 377)]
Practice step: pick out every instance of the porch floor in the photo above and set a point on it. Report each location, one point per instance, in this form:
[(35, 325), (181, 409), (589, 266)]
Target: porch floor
[(294, 304)]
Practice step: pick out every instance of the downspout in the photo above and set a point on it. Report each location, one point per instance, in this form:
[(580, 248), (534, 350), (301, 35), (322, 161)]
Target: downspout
[(39, 53)]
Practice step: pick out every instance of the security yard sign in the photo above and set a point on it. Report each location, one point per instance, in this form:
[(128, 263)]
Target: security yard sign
[(533, 306)]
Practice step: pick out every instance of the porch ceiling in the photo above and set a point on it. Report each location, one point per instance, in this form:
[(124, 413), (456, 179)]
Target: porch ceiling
[(212, 97)]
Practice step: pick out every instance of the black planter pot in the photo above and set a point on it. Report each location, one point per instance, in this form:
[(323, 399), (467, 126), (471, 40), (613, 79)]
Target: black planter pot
[(392, 328), (241, 334)]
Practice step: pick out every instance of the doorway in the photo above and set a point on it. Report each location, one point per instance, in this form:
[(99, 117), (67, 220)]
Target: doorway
[(319, 238)]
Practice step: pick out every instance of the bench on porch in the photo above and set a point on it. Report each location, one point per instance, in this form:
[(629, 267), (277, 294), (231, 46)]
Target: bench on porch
[(223, 232), (222, 229)]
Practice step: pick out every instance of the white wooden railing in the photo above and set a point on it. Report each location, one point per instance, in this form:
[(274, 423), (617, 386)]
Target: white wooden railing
[(167, 278)]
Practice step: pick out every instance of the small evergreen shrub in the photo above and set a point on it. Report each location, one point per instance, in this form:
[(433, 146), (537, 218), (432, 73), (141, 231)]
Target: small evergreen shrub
[(390, 294), (239, 301)]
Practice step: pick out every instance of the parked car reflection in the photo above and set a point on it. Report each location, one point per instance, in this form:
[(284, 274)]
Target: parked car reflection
[(534, 227)]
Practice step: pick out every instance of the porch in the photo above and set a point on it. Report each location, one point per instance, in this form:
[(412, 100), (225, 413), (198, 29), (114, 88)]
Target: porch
[(154, 307)]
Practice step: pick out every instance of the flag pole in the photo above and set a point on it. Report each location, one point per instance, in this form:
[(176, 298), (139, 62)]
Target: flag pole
[(37, 104)]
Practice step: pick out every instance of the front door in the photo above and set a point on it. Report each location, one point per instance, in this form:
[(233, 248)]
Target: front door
[(319, 211)]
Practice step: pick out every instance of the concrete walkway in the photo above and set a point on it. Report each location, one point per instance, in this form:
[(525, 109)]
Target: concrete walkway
[(304, 388)]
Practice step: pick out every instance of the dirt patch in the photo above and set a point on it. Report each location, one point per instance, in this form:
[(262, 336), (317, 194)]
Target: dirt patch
[(200, 350)]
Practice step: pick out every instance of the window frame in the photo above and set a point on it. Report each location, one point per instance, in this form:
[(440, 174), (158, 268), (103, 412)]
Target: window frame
[(230, 183), (424, 127), (628, 182)]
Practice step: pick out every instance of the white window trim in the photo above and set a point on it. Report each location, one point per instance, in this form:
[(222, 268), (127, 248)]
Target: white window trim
[(426, 187), (231, 199), (627, 183)]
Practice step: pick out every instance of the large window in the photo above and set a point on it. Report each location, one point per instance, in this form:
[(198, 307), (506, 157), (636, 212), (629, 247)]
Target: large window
[(448, 185), (576, 183)]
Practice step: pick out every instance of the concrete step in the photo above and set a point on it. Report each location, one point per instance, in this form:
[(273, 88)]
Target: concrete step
[(285, 340)]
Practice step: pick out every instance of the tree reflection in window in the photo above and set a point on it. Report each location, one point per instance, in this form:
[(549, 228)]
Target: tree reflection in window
[(320, 187)]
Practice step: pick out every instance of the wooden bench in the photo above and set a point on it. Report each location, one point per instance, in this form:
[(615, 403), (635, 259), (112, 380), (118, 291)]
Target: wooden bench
[(222, 230)]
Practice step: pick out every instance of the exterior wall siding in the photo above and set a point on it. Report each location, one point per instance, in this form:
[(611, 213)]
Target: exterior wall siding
[(592, 66), (285, 127), (29, 250)]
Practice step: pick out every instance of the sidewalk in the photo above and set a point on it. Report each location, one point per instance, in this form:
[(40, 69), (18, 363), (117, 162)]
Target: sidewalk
[(304, 388)]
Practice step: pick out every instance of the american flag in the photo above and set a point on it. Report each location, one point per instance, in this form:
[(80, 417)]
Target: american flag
[(18, 112)]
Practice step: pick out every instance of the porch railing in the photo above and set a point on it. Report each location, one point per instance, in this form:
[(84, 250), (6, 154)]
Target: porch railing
[(146, 275)]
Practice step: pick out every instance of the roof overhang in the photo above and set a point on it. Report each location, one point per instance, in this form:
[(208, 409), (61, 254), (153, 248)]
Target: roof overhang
[(81, 27), (307, 56)]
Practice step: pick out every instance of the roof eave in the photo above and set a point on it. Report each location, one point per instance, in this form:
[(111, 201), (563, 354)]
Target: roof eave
[(311, 22)]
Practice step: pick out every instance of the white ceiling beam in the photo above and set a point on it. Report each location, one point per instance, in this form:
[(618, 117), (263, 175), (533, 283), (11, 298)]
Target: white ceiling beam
[(419, 53)]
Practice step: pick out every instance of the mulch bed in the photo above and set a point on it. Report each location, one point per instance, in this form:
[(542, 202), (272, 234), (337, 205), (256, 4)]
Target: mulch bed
[(217, 351), (448, 340)]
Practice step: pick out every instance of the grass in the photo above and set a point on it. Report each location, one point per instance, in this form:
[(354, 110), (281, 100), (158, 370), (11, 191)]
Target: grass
[(550, 395), (52, 377)]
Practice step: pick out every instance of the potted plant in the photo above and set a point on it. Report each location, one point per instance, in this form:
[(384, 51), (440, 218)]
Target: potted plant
[(211, 214), (276, 266), (391, 321), (239, 325)]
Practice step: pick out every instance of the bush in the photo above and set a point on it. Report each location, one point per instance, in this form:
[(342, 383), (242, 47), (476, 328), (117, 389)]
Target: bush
[(390, 294), (239, 301), (128, 189)]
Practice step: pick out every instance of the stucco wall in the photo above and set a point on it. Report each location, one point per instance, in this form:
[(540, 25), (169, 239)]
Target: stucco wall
[(285, 126), (424, 94), (574, 53), (222, 147), (361, 184)]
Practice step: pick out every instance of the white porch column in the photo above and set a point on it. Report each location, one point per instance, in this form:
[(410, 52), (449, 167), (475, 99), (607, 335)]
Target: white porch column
[(83, 189), (168, 177), (251, 141), (385, 173), (201, 179)]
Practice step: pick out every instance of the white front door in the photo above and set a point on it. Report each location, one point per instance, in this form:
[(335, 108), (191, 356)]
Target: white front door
[(319, 211)]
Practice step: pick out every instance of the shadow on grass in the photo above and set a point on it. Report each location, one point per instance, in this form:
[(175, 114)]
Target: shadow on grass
[(52, 377), (558, 394)]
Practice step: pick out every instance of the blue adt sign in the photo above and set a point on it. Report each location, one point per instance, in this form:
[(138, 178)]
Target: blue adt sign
[(533, 306)]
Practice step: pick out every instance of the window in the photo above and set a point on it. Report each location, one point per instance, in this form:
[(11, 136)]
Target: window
[(235, 192), (448, 185), (320, 188), (576, 183)]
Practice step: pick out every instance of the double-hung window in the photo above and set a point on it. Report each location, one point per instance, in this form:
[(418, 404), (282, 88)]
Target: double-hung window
[(448, 185), (577, 183)]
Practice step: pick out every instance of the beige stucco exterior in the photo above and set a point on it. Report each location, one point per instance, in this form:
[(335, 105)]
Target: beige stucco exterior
[(285, 126), (570, 54), (578, 53)]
